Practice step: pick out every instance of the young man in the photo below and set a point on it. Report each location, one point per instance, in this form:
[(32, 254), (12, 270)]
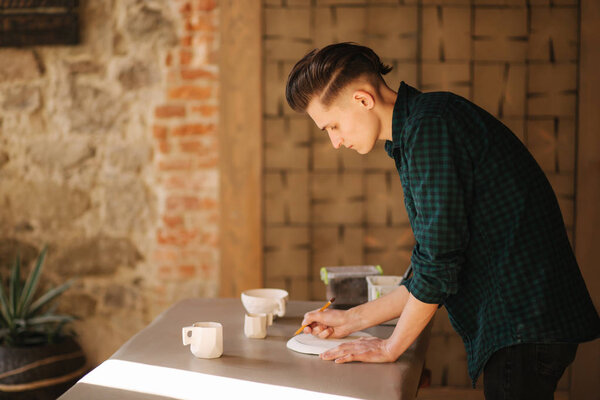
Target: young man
[(491, 245)]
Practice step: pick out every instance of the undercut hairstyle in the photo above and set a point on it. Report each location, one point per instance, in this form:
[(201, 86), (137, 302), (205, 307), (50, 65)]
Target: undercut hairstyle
[(326, 72)]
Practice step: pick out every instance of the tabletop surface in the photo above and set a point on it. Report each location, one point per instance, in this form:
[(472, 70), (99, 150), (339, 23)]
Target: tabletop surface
[(154, 364)]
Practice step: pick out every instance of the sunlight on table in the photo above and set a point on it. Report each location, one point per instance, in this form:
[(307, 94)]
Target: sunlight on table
[(181, 384)]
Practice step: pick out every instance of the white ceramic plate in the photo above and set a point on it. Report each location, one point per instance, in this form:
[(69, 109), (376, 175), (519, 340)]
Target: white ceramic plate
[(309, 344)]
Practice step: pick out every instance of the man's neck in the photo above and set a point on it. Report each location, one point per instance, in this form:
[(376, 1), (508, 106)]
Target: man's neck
[(387, 112)]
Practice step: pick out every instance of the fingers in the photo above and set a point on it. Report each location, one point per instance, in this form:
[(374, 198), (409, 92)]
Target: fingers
[(325, 333), (373, 350), (312, 316), (342, 357), (338, 352), (348, 355), (325, 324), (320, 330), (345, 359)]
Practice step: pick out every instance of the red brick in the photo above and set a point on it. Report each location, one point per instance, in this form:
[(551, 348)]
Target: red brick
[(208, 271), (193, 129), (211, 239), (197, 73), (206, 217), (177, 272), (177, 237), (205, 111), (173, 221), (165, 255), (182, 202), (206, 40), (168, 111), (185, 57), (199, 23), (163, 146), (188, 164), (210, 163), (206, 5), (159, 132), (159, 291), (198, 147), (186, 41), (190, 92), (190, 203), (176, 182), (165, 271), (186, 8), (176, 165), (208, 203), (195, 254), (186, 271), (196, 182)]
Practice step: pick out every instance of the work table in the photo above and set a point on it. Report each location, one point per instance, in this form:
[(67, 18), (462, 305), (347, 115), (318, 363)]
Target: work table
[(154, 364)]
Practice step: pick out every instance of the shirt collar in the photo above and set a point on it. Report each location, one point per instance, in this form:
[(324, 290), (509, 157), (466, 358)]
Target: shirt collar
[(401, 112)]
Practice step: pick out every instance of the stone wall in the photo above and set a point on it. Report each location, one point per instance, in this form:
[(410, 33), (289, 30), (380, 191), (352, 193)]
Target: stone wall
[(515, 58), (108, 155)]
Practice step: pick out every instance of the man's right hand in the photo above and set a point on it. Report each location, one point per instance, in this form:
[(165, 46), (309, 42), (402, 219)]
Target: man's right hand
[(329, 323), (339, 323)]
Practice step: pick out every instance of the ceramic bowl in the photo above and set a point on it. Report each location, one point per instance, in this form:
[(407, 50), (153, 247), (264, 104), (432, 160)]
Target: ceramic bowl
[(265, 301)]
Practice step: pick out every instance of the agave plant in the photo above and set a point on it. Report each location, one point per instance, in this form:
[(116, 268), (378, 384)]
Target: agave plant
[(23, 320)]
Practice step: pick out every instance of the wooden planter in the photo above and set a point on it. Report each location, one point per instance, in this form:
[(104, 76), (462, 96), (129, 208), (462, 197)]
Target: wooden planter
[(40, 372)]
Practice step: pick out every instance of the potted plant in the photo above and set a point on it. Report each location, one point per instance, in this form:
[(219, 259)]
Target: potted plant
[(38, 358)]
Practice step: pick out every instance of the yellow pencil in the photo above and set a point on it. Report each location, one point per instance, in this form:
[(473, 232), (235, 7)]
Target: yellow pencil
[(320, 309)]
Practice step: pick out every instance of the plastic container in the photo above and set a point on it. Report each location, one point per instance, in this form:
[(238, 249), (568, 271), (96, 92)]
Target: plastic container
[(348, 284), (381, 285)]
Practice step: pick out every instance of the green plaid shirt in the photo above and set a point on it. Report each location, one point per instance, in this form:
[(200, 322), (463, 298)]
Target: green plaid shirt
[(491, 245)]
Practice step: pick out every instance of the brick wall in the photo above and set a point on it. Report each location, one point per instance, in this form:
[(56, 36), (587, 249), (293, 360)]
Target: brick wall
[(185, 138), (515, 58)]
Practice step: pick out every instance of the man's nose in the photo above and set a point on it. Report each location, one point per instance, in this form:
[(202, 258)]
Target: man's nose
[(336, 140)]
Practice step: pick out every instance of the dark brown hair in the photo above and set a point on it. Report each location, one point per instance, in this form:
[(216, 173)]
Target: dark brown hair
[(327, 71)]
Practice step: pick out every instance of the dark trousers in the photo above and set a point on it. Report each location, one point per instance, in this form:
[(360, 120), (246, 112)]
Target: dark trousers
[(528, 371)]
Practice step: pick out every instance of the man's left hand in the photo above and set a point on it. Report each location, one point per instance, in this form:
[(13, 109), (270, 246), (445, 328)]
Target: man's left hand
[(371, 349)]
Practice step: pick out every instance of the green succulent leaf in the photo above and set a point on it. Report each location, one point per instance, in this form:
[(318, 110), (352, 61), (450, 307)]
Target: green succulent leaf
[(4, 309), (48, 296), (3, 323), (51, 309), (15, 285), (46, 319), (31, 285)]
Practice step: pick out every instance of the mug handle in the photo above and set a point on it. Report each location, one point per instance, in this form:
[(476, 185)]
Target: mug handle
[(281, 307), (184, 334)]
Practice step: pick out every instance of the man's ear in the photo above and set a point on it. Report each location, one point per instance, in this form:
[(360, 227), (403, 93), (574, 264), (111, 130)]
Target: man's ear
[(364, 98)]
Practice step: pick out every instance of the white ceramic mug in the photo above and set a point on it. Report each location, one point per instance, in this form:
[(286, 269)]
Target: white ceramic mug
[(265, 301), (255, 325), (205, 338)]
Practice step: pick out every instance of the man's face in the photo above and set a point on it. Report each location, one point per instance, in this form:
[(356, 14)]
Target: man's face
[(349, 121)]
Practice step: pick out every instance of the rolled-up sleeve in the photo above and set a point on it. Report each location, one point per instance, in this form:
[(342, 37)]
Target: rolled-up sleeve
[(440, 191)]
